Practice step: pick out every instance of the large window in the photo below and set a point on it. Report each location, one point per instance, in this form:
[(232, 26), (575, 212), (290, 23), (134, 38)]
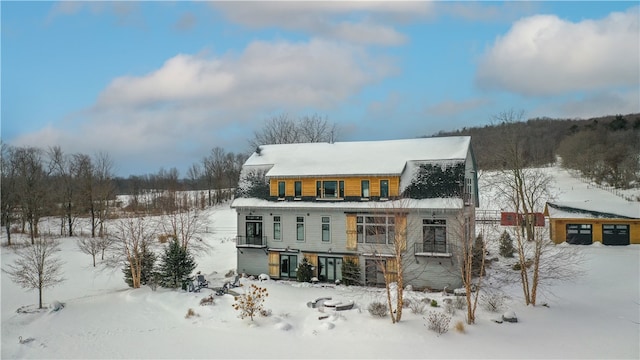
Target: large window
[(281, 187), (288, 266), (277, 228), (298, 189), (384, 188), (326, 229), (300, 228), (365, 188), (434, 236), (375, 229), (330, 189)]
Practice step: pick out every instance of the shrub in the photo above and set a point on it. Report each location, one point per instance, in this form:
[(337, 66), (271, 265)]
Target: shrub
[(207, 300), (190, 313), (492, 302), (377, 308), (418, 307), (460, 327), (449, 308), (305, 271), (434, 303), (251, 303), (176, 266), (459, 302), (506, 245), (438, 322)]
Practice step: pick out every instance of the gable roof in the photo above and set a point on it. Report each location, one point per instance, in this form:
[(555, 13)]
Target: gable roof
[(594, 209), (387, 157)]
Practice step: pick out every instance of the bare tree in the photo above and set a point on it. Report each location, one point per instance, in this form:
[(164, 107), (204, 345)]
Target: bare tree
[(37, 267), (186, 226), (90, 246), (10, 200), (62, 169), (31, 186), (283, 129), (131, 236), (103, 188), (388, 237)]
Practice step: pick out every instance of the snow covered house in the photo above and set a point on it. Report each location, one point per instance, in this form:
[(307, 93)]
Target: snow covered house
[(347, 202), (611, 223)]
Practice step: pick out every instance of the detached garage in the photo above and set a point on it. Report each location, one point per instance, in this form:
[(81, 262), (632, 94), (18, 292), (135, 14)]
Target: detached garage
[(585, 222)]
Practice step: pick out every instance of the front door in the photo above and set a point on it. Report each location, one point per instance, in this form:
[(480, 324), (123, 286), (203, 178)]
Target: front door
[(288, 266)]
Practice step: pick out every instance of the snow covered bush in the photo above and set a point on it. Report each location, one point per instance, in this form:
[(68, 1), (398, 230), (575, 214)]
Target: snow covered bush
[(350, 272), (438, 322), (377, 308), (492, 301), (251, 303), (417, 307), (305, 271), (206, 300), (506, 245)]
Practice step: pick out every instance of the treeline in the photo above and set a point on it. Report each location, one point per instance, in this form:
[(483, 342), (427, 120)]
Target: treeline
[(604, 149)]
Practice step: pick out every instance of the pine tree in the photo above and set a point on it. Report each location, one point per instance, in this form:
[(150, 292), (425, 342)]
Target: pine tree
[(477, 254), (506, 245), (350, 272), (177, 265), (147, 271), (305, 271)]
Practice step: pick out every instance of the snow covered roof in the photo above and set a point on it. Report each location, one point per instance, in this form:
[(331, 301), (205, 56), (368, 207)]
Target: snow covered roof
[(594, 209), (436, 203), (387, 157)]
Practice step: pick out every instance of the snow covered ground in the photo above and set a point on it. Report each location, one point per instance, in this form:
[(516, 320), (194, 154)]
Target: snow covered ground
[(595, 316)]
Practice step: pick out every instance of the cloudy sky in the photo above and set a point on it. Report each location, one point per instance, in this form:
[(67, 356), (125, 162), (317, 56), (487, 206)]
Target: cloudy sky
[(158, 84)]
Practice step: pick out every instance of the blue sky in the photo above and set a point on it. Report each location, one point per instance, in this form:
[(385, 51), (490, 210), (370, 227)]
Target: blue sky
[(159, 84)]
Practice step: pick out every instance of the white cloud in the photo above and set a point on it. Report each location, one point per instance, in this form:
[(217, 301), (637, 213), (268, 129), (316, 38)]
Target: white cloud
[(545, 55), (352, 21)]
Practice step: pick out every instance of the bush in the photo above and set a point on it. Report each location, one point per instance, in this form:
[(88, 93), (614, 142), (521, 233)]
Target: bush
[(506, 245), (449, 308), (379, 309), (438, 322), (492, 302), (459, 302), (460, 327), (207, 300), (177, 265), (434, 303), (418, 307), (251, 303), (190, 313), (305, 271)]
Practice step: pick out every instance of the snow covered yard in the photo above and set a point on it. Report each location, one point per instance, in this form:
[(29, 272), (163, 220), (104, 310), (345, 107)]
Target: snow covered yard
[(595, 316)]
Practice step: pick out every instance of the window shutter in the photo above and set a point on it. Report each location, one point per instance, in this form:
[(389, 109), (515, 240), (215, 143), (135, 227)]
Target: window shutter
[(274, 264), (352, 236)]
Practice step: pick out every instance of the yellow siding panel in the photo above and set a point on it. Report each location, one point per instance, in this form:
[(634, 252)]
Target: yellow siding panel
[(352, 235), (274, 264), (352, 185), (391, 270)]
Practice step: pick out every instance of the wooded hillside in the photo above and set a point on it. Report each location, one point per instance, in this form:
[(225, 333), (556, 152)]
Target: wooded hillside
[(606, 149)]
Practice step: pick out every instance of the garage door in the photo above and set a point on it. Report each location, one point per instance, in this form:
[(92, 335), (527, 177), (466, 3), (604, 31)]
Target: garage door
[(615, 234), (580, 234)]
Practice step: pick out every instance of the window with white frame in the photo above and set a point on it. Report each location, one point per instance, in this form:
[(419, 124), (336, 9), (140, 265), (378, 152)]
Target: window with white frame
[(326, 229), (375, 229), (277, 228), (300, 228)]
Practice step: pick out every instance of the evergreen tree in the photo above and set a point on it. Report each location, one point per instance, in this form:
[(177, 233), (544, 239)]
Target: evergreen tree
[(506, 245), (177, 265), (305, 271), (350, 272), (147, 268), (477, 254)]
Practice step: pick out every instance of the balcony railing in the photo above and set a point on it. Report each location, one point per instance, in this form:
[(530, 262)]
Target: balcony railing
[(251, 241), (437, 250)]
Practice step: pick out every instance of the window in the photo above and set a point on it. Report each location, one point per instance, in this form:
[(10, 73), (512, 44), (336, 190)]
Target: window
[(434, 236), (326, 229), (365, 188), (281, 189), (277, 230), (288, 266), (298, 189), (300, 228), (331, 189), (384, 188), (375, 229)]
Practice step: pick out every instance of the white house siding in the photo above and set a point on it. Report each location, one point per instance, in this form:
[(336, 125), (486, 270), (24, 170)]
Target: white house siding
[(252, 261)]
